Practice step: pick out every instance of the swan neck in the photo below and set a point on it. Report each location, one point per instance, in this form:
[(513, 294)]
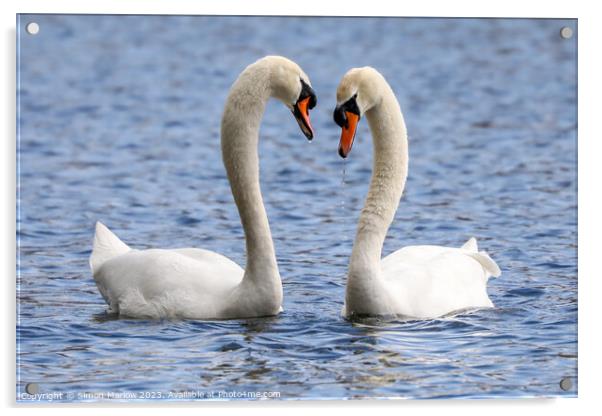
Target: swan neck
[(389, 173), (239, 140)]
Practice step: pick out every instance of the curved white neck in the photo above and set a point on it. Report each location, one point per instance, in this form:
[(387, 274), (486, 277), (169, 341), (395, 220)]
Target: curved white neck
[(239, 139), (389, 174)]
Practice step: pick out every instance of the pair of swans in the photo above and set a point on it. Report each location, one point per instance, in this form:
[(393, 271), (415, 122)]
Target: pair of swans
[(415, 281)]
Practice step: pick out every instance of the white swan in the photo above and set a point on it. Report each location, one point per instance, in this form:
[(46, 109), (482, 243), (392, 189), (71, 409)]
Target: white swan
[(417, 281), (200, 284)]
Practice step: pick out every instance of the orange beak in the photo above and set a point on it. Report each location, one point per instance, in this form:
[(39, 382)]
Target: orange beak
[(348, 134), (301, 113)]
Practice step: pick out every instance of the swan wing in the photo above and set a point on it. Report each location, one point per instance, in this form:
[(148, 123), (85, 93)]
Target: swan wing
[(208, 256), (425, 254), (412, 255), (160, 283), (431, 281)]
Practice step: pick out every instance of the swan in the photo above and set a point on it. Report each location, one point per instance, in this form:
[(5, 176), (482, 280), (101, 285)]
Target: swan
[(194, 283), (418, 282)]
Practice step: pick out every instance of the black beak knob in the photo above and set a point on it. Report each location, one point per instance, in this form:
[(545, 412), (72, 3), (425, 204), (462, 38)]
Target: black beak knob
[(339, 116)]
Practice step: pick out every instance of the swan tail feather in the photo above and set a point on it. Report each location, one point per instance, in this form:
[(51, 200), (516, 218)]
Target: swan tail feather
[(471, 245), (482, 257), (487, 262), (106, 246)]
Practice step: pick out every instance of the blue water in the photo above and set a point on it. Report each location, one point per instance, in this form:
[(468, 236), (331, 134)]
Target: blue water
[(119, 121)]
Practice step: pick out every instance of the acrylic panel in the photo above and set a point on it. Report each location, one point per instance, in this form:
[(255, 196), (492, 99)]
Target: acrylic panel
[(119, 121)]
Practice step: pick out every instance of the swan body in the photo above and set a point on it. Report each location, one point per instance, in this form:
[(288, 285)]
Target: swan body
[(201, 284), (158, 283), (416, 281), (431, 281)]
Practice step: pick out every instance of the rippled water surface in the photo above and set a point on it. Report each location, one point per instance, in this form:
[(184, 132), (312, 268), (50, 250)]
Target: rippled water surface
[(119, 121)]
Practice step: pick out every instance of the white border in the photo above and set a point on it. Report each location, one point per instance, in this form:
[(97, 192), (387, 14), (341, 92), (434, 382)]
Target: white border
[(590, 205)]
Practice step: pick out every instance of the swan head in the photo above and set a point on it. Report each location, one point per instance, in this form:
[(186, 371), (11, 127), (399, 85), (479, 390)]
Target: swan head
[(292, 86), (357, 93)]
